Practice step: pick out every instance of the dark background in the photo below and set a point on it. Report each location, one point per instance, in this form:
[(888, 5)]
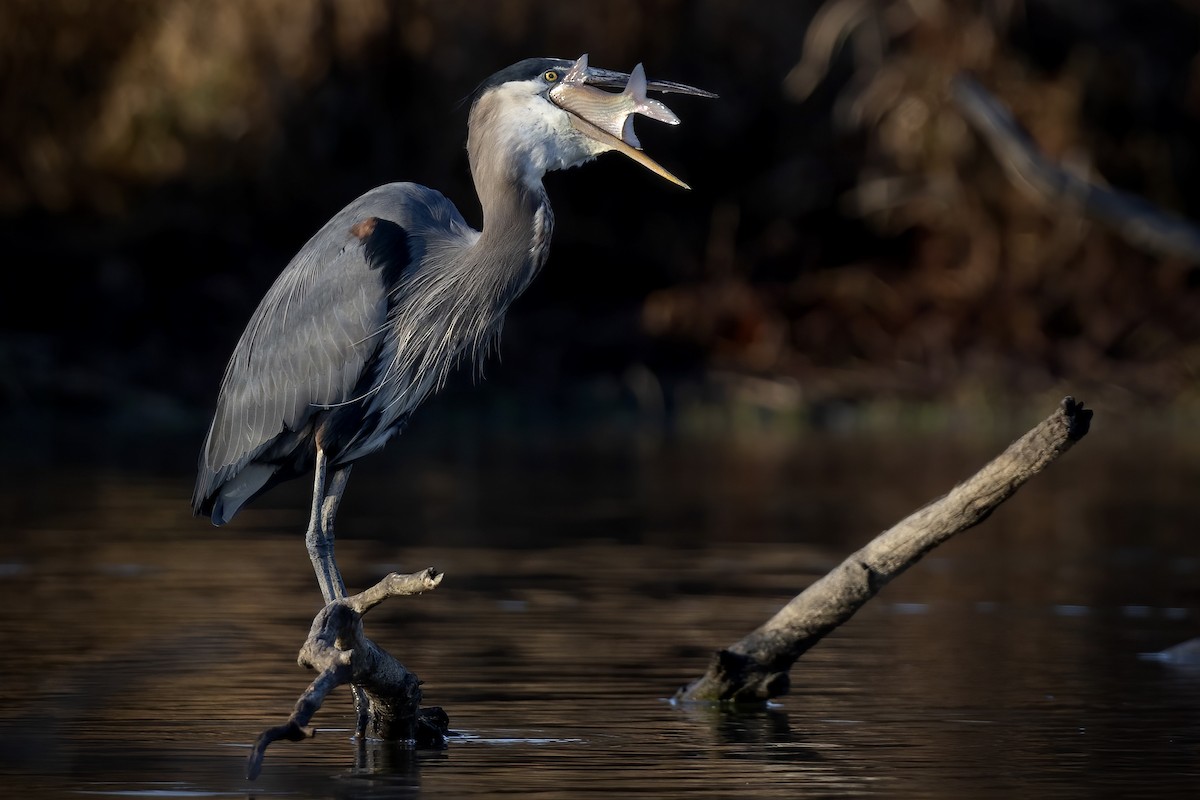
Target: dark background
[(848, 239)]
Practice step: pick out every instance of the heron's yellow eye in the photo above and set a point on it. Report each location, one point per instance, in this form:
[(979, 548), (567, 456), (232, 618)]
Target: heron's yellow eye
[(551, 76)]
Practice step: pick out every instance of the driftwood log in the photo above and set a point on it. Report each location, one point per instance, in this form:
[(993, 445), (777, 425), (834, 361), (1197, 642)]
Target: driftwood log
[(756, 668), (388, 695)]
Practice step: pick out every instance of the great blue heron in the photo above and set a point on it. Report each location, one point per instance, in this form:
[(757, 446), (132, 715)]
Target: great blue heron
[(373, 312)]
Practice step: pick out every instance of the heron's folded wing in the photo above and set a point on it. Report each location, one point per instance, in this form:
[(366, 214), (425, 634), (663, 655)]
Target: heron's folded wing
[(310, 344)]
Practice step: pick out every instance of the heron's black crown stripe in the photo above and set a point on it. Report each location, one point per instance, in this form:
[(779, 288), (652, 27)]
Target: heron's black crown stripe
[(525, 70)]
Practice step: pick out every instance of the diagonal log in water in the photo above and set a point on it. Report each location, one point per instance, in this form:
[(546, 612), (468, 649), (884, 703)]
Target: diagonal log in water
[(756, 668), (339, 651)]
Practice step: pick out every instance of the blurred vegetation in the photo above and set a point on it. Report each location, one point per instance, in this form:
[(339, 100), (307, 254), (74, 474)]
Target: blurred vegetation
[(849, 238)]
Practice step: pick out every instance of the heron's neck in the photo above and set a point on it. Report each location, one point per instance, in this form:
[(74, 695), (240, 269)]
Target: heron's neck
[(517, 219)]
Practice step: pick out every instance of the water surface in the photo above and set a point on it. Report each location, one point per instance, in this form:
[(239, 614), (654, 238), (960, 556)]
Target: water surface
[(586, 580)]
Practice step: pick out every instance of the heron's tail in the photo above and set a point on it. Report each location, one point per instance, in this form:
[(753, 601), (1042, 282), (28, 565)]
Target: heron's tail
[(222, 503)]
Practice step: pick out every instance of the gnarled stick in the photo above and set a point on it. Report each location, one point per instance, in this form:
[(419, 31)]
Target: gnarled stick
[(337, 648), (756, 668)]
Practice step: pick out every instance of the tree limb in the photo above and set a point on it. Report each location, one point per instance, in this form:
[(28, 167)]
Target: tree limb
[(756, 668), (1138, 221), (337, 648)]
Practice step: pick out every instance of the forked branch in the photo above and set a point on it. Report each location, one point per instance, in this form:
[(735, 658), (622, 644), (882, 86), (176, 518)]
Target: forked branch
[(339, 651), (756, 668)]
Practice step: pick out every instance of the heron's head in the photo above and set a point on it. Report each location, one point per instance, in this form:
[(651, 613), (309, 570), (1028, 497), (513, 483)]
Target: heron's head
[(552, 113)]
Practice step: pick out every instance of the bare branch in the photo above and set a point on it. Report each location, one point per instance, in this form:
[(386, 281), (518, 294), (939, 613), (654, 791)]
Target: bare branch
[(395, 585), (756, 668), (337, 648), (1138, 221), (296, 728)]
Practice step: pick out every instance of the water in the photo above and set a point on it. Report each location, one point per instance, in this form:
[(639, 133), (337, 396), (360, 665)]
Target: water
[(585, 581)]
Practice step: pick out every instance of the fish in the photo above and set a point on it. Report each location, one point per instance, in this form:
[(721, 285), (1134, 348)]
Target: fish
[(612, 112), (607, 117)]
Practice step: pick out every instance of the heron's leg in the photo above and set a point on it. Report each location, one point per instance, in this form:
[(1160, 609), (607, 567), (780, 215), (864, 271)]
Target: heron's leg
[(328, 487), (327, 493), (335, 486)]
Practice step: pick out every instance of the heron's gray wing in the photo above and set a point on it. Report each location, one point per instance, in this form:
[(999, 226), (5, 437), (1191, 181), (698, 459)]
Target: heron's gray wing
[(308, 345)]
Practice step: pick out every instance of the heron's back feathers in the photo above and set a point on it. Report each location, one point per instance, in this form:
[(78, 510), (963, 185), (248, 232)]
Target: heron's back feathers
[(312, 357)]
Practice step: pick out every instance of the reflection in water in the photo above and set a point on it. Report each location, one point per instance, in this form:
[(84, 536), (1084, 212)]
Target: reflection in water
[(145, 649)]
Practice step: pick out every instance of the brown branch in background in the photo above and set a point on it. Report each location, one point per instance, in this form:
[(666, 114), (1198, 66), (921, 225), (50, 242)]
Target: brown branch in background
[(865, 25), (1139, 222), (756, 668), (832, 26), (337, 648)]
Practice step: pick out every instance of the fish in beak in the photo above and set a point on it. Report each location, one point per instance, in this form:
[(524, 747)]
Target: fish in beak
[(607, 117)]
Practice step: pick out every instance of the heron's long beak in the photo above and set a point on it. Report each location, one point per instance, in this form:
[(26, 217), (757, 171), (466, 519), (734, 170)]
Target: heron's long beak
[(607, 117)]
